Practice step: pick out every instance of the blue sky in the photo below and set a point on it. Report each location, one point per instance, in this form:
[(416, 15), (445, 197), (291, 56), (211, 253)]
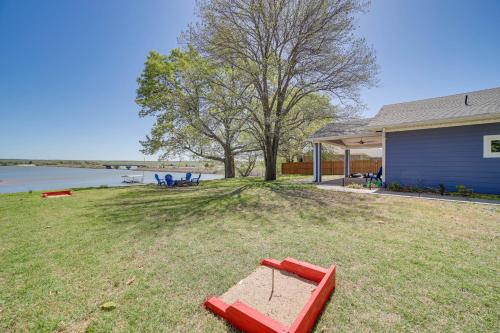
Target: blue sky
[(68, 69)]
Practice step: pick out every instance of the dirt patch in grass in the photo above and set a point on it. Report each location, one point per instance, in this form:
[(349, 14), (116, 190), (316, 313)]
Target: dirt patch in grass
[(277, 294)]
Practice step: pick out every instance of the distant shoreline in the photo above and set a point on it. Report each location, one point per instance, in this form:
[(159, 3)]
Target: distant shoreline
[(179, 169), (155, 169)]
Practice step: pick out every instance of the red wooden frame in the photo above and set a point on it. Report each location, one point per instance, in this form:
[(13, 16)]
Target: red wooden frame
[(250, 320), (57, 194)]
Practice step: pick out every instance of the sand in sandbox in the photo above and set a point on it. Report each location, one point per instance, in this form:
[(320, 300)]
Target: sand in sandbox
[(290, 294)]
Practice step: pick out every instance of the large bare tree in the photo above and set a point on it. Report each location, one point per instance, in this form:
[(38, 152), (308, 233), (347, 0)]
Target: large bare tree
[(287, 49)]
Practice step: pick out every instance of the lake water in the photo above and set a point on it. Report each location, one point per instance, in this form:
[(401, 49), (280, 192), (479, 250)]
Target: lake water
[(23, 179)]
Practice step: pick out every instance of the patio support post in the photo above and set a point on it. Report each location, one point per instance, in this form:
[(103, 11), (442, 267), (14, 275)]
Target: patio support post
[(383, 157), (317, 162), (347, 162)]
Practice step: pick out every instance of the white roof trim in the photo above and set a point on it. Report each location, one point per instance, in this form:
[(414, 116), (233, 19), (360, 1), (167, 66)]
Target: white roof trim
[(432, 124), (341, 137)]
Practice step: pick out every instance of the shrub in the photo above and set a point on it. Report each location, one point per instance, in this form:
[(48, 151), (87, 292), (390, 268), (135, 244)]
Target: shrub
[(464, 191), (416, 189), (395, 187)]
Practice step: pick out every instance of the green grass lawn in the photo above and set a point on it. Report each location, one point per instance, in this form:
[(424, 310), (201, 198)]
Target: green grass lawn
[(403, 264)]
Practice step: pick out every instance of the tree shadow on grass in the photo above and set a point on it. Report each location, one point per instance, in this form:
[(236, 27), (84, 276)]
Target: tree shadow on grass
[(342, 205), (152, 208)]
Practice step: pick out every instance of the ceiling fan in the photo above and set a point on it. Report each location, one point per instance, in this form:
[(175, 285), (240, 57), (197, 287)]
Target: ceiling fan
[(362, 142)]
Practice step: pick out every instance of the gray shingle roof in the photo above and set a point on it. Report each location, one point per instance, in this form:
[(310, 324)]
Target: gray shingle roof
[(482, 103), (350, 127), (439, 109)]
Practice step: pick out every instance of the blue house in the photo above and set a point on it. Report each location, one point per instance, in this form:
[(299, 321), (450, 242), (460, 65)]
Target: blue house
[(452, 140)]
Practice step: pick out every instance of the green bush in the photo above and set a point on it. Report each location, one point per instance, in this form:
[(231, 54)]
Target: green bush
[(464, 191), (416, 189), (395, 187)]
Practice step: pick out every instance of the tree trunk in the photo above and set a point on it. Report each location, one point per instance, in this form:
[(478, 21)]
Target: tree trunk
[(270, 157), (229, 166), (271, 145)]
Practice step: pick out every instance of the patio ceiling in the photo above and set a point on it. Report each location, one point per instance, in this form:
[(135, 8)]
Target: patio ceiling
[(361, 140), (351, 134)]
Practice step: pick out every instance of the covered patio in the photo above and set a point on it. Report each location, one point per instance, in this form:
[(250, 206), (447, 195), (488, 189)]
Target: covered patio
[(348, 136)]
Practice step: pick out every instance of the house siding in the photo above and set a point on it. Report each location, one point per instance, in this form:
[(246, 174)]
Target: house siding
[(451, 156)]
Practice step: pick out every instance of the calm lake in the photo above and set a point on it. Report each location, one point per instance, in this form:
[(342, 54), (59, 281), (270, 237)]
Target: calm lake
[(23, 179)]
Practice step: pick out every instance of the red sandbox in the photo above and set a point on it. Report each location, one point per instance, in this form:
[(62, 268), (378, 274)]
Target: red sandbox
[(250, 320), (57, 194)]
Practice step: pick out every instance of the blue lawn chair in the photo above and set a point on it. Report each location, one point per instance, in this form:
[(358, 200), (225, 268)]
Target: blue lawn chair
[(378, 176), (188, 177), (196, 180), (160, 182), (169, 180)]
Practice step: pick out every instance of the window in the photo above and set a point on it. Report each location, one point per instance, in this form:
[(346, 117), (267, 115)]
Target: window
[(495, 146), (491, 146)]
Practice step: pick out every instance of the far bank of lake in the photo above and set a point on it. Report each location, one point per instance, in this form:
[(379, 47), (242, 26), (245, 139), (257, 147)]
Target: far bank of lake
[(24, 179)]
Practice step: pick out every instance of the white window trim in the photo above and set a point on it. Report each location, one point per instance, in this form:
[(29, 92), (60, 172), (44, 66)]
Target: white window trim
[(487, 146)]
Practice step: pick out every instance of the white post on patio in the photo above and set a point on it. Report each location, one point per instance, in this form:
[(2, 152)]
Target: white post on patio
[(347, 162), (317, 162), (383, 156)]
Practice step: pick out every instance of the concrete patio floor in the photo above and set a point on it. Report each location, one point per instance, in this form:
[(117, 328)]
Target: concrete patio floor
[(338, 184)]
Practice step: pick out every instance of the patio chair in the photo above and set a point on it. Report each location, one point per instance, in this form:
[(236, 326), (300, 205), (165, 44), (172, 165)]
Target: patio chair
[(188, 177), (169, 180), (159, 180), (196, 180), (378, 177)]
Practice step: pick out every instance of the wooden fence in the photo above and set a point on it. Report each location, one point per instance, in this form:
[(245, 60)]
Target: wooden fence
[(331, 167)]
